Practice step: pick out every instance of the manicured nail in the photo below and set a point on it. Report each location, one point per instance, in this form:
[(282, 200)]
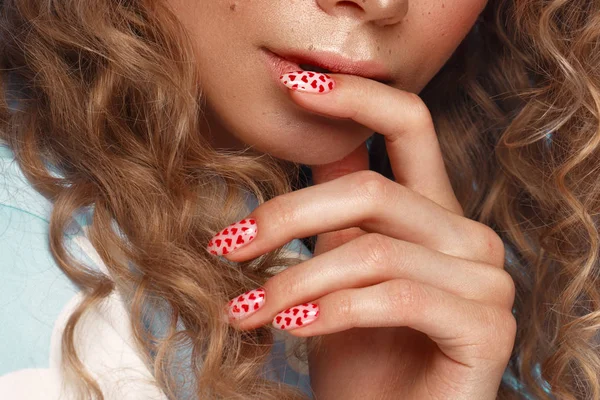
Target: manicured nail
[(233, 237), (308, 81), (246, 304), (295, 317)]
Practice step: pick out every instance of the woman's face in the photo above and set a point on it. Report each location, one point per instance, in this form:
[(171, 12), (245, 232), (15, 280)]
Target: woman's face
[(247, 105)]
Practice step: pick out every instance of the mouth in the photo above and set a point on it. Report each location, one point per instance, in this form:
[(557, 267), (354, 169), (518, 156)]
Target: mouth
[(326, 63), (313, 68)]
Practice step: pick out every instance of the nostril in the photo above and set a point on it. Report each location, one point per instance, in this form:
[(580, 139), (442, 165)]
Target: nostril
[(350, 4)]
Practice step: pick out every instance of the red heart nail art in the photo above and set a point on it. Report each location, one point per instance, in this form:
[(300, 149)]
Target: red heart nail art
[(311, 82), (310, 312), (246, 304), (233, 237)]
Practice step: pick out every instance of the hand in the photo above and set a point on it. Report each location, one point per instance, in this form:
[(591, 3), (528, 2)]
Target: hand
[(418, 263)]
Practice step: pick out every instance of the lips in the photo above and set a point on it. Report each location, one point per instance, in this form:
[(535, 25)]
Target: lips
[(290, 61), (281, 65)]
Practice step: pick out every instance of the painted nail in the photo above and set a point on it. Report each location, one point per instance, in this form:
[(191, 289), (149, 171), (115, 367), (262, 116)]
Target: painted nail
[(308, 81), (233, 237), (246, 304), (295, 317)]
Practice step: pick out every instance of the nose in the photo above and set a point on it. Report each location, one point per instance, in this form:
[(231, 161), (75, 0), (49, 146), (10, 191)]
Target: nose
[(380, 12)]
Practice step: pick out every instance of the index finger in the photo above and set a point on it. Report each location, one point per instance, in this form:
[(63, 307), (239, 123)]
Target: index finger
[(404, 121)]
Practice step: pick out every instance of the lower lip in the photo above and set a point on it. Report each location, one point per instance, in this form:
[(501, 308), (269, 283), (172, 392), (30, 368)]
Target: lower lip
[(280, 66)]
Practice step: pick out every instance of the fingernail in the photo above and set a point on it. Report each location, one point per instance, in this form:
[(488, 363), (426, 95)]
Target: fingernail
[(308, 81), (295, 317), (233, 237), (246, 304)]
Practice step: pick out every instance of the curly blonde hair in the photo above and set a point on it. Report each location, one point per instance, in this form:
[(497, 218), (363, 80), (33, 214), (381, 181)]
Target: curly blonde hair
[(111, 97)]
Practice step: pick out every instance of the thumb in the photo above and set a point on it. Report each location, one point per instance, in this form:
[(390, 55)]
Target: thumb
[(356, 161)]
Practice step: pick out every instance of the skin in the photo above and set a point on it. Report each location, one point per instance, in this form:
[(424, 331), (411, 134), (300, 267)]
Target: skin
[(434, 297), (413, 42), (409, 309)]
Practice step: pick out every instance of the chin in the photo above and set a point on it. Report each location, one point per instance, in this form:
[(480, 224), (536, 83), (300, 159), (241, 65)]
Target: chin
[(294, 134)]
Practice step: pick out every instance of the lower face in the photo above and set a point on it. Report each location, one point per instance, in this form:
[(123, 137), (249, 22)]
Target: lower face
[(246, 105)]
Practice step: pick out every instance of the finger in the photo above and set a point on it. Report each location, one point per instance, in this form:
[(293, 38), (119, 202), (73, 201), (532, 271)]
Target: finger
[(465, 331), (405, 122), (369, 201), (373, 259), (358, 160)]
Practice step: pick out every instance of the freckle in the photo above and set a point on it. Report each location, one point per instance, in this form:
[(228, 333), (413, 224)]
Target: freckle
[(428, 12), (232, 7), (378, 48), (443, 5), (390, 51), (311, 47)]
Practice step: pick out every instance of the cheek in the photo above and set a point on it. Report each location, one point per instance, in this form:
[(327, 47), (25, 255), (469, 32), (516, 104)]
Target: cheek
[(451, 21), (438, 31)]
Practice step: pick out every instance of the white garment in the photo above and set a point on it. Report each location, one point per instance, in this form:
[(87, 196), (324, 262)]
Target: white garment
[(36, 300)]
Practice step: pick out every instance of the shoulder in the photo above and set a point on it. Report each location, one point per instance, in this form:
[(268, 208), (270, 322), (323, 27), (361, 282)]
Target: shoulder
[(37, 299)]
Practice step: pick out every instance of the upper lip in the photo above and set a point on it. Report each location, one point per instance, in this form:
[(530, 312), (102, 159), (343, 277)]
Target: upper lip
[(338, 64)]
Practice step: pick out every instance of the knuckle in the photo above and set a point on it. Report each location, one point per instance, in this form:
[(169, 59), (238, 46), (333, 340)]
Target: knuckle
[(279, 210), (502, 329), (343, 309), (495, 246), (491, 245), (374, 250), (405, 296), (506, 287), (370, 186), (286, 285), (511, 328), (510, 325), (508, 332), (495, 339), (417, 106)]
